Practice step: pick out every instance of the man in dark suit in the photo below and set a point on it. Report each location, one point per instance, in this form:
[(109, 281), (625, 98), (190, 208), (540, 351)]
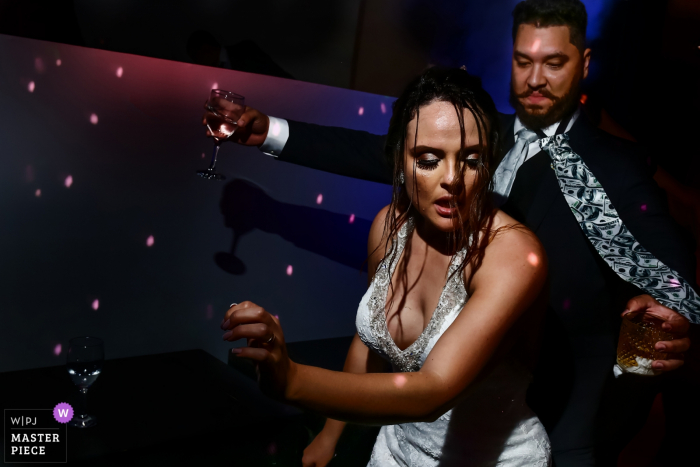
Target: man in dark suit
[(589, 413)]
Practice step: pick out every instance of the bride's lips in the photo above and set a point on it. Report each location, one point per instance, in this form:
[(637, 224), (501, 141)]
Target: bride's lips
[(442, 206)]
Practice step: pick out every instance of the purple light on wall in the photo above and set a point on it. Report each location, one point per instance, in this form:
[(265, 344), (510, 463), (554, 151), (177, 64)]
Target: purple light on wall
[(383, 107), (643, 207), (361, 111), (215, 86), (94, 119), (37, 193), (319, 198), (289, 270), (95, 304), (203, 156), (58, 62), (150, 240), (120, 72), (68, 181), (352, 218), (31, 86), (57, 349)]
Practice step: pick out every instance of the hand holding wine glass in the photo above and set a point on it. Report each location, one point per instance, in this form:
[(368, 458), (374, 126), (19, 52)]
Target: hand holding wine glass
[(224, 108), (84, 364)]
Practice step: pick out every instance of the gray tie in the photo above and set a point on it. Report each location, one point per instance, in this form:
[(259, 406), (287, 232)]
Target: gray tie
[(504, 176)]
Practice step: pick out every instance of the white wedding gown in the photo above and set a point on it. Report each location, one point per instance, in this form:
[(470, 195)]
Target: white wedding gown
[(490, 426)]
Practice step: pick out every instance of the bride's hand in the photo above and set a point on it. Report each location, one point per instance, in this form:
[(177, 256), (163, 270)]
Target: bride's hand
[(266, 346)]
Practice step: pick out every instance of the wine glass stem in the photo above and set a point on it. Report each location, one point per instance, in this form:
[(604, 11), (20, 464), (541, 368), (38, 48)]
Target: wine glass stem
[(82, 407), (213, 157)]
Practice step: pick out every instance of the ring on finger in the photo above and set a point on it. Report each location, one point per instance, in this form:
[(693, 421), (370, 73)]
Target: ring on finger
[(232, 305), (270, 340)]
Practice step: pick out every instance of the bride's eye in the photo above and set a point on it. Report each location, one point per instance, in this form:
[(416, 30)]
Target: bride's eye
[(473, 160), (427, 164)]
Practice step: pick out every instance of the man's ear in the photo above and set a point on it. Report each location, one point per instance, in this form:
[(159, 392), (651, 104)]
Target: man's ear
[(586, 61)]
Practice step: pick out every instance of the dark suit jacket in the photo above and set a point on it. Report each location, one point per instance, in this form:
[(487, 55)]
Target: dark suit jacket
[(586, 296)]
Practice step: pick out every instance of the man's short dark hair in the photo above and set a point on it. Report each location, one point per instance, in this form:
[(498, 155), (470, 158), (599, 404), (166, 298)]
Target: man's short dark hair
[(543, 13)]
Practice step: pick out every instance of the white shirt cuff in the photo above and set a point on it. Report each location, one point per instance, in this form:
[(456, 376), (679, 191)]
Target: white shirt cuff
[(277, 136)]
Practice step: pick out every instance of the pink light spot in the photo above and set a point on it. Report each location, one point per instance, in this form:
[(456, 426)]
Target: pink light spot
[(383, 107), (566, 304), (215, 86), (675, 283), (210, 312), (277, 317), (39, 65), (37, 193), (361, 111), (94, 119), (31, 86), (533, 259), (120, 72), (57, 350), (95, 304), (203, 156), (68, 181), (399, 381), (319, 199), (352, 218), (535, 45), (643, 207), (150, 240), (289, 270), (58, 62)]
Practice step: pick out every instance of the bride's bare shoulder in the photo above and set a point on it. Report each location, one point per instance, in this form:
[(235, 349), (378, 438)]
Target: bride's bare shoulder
[(512, 239)]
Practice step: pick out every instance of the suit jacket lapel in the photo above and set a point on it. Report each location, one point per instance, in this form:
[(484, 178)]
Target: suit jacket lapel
[(536, 173)]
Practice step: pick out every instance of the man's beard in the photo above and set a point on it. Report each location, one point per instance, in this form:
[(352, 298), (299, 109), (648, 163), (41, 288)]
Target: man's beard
[(561, 106)]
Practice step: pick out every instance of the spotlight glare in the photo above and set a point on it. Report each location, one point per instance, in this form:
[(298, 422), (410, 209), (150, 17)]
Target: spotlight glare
[(31, 86), (120, 72), (68, 181), (37, 193), (150, 240), (361, 111), (95, 304), (58, 62), (57, 350), (289, 270), (319, 198), (94, 119), (533, 259), (352, 218)]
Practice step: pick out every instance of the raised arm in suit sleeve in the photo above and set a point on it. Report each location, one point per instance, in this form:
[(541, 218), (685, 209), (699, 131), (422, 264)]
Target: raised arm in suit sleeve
[(352, 153)]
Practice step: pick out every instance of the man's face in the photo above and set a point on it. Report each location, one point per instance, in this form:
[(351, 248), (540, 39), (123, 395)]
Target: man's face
[(546, 73)]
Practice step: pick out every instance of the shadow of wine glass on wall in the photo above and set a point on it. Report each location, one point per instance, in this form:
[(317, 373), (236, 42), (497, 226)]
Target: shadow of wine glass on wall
[(246, 206)]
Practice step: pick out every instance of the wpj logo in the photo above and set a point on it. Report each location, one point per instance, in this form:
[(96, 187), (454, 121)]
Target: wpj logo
[(37, 435)]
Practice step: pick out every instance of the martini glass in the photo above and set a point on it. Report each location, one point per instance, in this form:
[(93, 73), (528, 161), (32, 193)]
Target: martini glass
[(224, 108), (84, 364)]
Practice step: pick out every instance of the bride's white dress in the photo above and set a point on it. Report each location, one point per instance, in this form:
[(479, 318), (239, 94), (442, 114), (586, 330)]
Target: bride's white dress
[(490, 426)]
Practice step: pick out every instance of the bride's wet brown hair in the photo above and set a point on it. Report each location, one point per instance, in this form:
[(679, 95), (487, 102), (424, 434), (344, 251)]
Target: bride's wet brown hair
[(464, 91)]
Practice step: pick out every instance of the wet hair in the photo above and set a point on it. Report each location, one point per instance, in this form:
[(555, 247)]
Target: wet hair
[(544, 13), (463, 91)]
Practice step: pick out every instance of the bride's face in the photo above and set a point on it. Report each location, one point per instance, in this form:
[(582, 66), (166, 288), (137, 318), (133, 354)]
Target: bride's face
[(438, 157)]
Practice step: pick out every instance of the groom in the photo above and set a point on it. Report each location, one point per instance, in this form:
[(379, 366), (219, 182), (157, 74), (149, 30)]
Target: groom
[(590, 414)]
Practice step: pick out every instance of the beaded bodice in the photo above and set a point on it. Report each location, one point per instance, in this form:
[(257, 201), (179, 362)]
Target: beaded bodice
[(452, 298)]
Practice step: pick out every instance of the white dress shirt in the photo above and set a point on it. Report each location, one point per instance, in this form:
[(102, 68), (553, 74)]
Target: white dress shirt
[(534, 148), (278, 134)]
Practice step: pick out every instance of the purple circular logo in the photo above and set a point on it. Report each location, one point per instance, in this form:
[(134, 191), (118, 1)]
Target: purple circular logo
[(63, 412)]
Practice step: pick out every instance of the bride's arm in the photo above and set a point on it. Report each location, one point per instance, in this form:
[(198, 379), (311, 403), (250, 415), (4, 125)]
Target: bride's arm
[(510, 278)]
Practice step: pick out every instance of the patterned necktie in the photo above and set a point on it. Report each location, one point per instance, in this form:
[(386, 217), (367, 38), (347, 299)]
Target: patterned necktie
[(614, 243), (504, 176)]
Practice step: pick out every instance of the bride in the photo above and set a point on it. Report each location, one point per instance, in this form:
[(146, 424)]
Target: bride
[(445, 331)]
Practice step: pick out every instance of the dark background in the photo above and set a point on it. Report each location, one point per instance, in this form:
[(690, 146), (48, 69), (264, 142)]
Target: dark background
[(133, 172)]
